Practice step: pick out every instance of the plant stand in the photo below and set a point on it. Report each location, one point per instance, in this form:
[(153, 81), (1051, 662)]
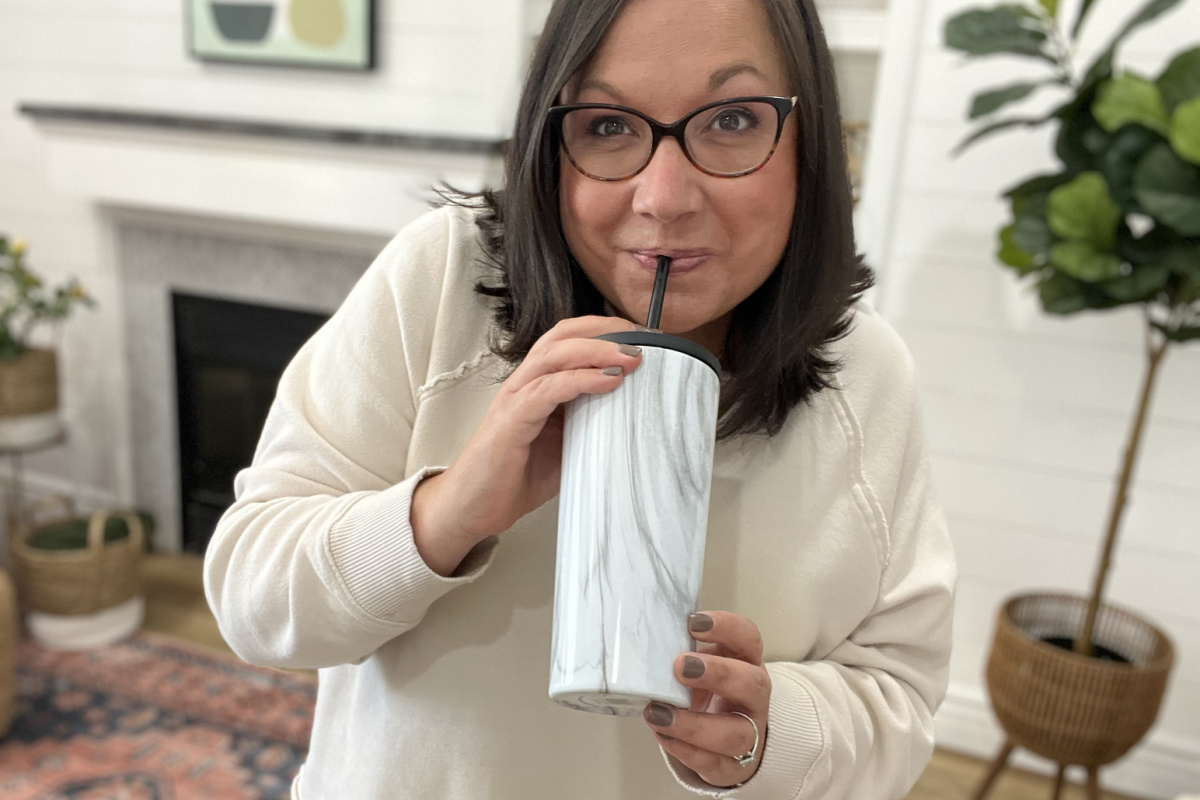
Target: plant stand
[(1073, 709), (1001, 761), (15, 501)]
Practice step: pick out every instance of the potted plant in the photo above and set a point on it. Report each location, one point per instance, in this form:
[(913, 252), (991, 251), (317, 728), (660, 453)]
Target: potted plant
[(1117, 224), (28, 374)]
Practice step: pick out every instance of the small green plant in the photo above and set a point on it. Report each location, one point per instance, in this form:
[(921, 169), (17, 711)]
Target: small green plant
[(1118, 223), (25, 302)]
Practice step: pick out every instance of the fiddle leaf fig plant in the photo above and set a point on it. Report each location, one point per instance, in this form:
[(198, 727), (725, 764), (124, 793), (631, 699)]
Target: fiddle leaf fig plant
[(1118, 222)]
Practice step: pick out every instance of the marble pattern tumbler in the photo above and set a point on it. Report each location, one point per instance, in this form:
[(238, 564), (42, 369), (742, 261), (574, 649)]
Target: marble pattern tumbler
[(633, 509)]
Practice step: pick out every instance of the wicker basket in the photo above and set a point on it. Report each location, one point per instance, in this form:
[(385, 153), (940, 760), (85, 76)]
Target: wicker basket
[(1071, 708), (8, 652), (81, 581), (29, 384)]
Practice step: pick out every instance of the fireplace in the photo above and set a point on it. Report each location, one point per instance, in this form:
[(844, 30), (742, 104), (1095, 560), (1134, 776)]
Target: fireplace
[(228, 360)]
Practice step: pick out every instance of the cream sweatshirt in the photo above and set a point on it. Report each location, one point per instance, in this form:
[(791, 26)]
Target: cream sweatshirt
[(828, 536)]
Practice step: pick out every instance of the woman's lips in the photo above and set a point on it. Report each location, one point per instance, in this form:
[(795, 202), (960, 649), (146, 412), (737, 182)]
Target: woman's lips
[(681, 260)]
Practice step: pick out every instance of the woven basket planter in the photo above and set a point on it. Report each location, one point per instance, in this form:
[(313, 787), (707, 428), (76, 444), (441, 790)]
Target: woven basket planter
[(29, 383), (8, 652), (80, 581), (1067, 707)]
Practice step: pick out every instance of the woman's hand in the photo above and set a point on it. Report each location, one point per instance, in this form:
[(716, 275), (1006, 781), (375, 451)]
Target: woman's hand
[(726, 675), (512, 463)]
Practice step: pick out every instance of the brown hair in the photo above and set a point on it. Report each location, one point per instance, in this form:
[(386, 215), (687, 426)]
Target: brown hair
[(777, 347)]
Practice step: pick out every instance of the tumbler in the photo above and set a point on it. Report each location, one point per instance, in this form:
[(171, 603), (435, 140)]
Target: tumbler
[(633, 510)]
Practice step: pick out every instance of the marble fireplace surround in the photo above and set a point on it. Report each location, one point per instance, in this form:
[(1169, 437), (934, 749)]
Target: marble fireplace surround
[(154, 262), (278, 215)]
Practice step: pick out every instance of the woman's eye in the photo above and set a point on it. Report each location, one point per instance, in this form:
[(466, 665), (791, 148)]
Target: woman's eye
[(733, 120), (609, 126)]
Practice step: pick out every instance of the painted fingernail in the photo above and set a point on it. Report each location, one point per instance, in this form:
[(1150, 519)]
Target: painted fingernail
[(692, 667), (698, 623), (630, 350), (611, 371), (660, 715)]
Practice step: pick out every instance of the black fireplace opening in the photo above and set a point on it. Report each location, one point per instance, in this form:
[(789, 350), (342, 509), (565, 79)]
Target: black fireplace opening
[(229, 357)]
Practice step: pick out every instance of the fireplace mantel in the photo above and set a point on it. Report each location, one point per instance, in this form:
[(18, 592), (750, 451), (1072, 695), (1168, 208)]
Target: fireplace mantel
[(257, 171)]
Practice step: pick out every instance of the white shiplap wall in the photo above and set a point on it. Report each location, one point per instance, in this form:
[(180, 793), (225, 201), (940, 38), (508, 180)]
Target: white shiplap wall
[(1027, 414), (448, 67)]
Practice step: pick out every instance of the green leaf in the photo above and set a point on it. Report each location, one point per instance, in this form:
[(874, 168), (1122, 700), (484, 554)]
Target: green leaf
[(994, 127), (1100, 70), (1168, 188), (1032, 233), (1118, 162), (1083, 211), (1185, 131), (1141, 284), (1181, 334), (1012, 254), (1083, 261), (1155, 246), (1188, 293), (985, 103), (1062, 294), (1030, 204), (1102, 66), (1148, 13), (1180, 81), (1009, 29), (1130, 99), (1081, 141), (1051, 7), (1083, 10), (1038, 184), (1184, 260)]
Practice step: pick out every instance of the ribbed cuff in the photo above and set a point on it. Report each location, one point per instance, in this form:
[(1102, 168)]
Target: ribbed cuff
[(795, 740), (373, 551)]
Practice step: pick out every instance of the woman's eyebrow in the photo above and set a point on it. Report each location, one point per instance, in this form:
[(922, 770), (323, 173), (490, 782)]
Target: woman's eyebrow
[(715, 81), (607, 88), (725, 73)]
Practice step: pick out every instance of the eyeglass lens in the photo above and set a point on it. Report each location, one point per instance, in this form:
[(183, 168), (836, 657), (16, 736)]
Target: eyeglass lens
[(726, 139)]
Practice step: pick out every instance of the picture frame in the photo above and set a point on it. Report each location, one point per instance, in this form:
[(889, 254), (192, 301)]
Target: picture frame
[(316, 34)]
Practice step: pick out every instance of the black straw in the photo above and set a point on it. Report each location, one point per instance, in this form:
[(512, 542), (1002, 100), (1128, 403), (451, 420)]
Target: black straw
[(660, 292)]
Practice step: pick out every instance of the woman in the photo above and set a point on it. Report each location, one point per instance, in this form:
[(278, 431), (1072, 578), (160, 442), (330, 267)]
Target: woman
[(425, 595)]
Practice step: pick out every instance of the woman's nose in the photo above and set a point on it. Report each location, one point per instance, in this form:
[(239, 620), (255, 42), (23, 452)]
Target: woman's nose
[(668, 188)]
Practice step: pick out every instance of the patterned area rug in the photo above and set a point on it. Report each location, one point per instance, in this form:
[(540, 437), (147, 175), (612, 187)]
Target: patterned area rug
[(153, 719)]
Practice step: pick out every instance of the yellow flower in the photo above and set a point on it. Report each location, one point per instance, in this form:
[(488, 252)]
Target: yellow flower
[(18, 248)]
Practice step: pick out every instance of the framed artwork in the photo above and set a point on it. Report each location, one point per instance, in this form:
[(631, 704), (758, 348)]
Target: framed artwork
[(329, 34)]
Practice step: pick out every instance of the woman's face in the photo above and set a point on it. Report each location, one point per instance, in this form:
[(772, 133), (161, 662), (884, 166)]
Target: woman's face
[(666, 58)]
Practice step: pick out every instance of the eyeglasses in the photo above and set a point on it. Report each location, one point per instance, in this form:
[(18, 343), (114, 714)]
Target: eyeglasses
[(728, 138)]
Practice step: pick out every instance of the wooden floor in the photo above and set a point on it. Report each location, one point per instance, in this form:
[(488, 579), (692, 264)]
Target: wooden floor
[(175, 605)]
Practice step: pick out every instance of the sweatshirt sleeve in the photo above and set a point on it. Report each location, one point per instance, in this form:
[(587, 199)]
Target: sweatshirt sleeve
[(857, 722), (314, 564)]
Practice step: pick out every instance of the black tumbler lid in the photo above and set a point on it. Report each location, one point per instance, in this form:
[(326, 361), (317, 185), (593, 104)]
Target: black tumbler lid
[(667, 342)]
